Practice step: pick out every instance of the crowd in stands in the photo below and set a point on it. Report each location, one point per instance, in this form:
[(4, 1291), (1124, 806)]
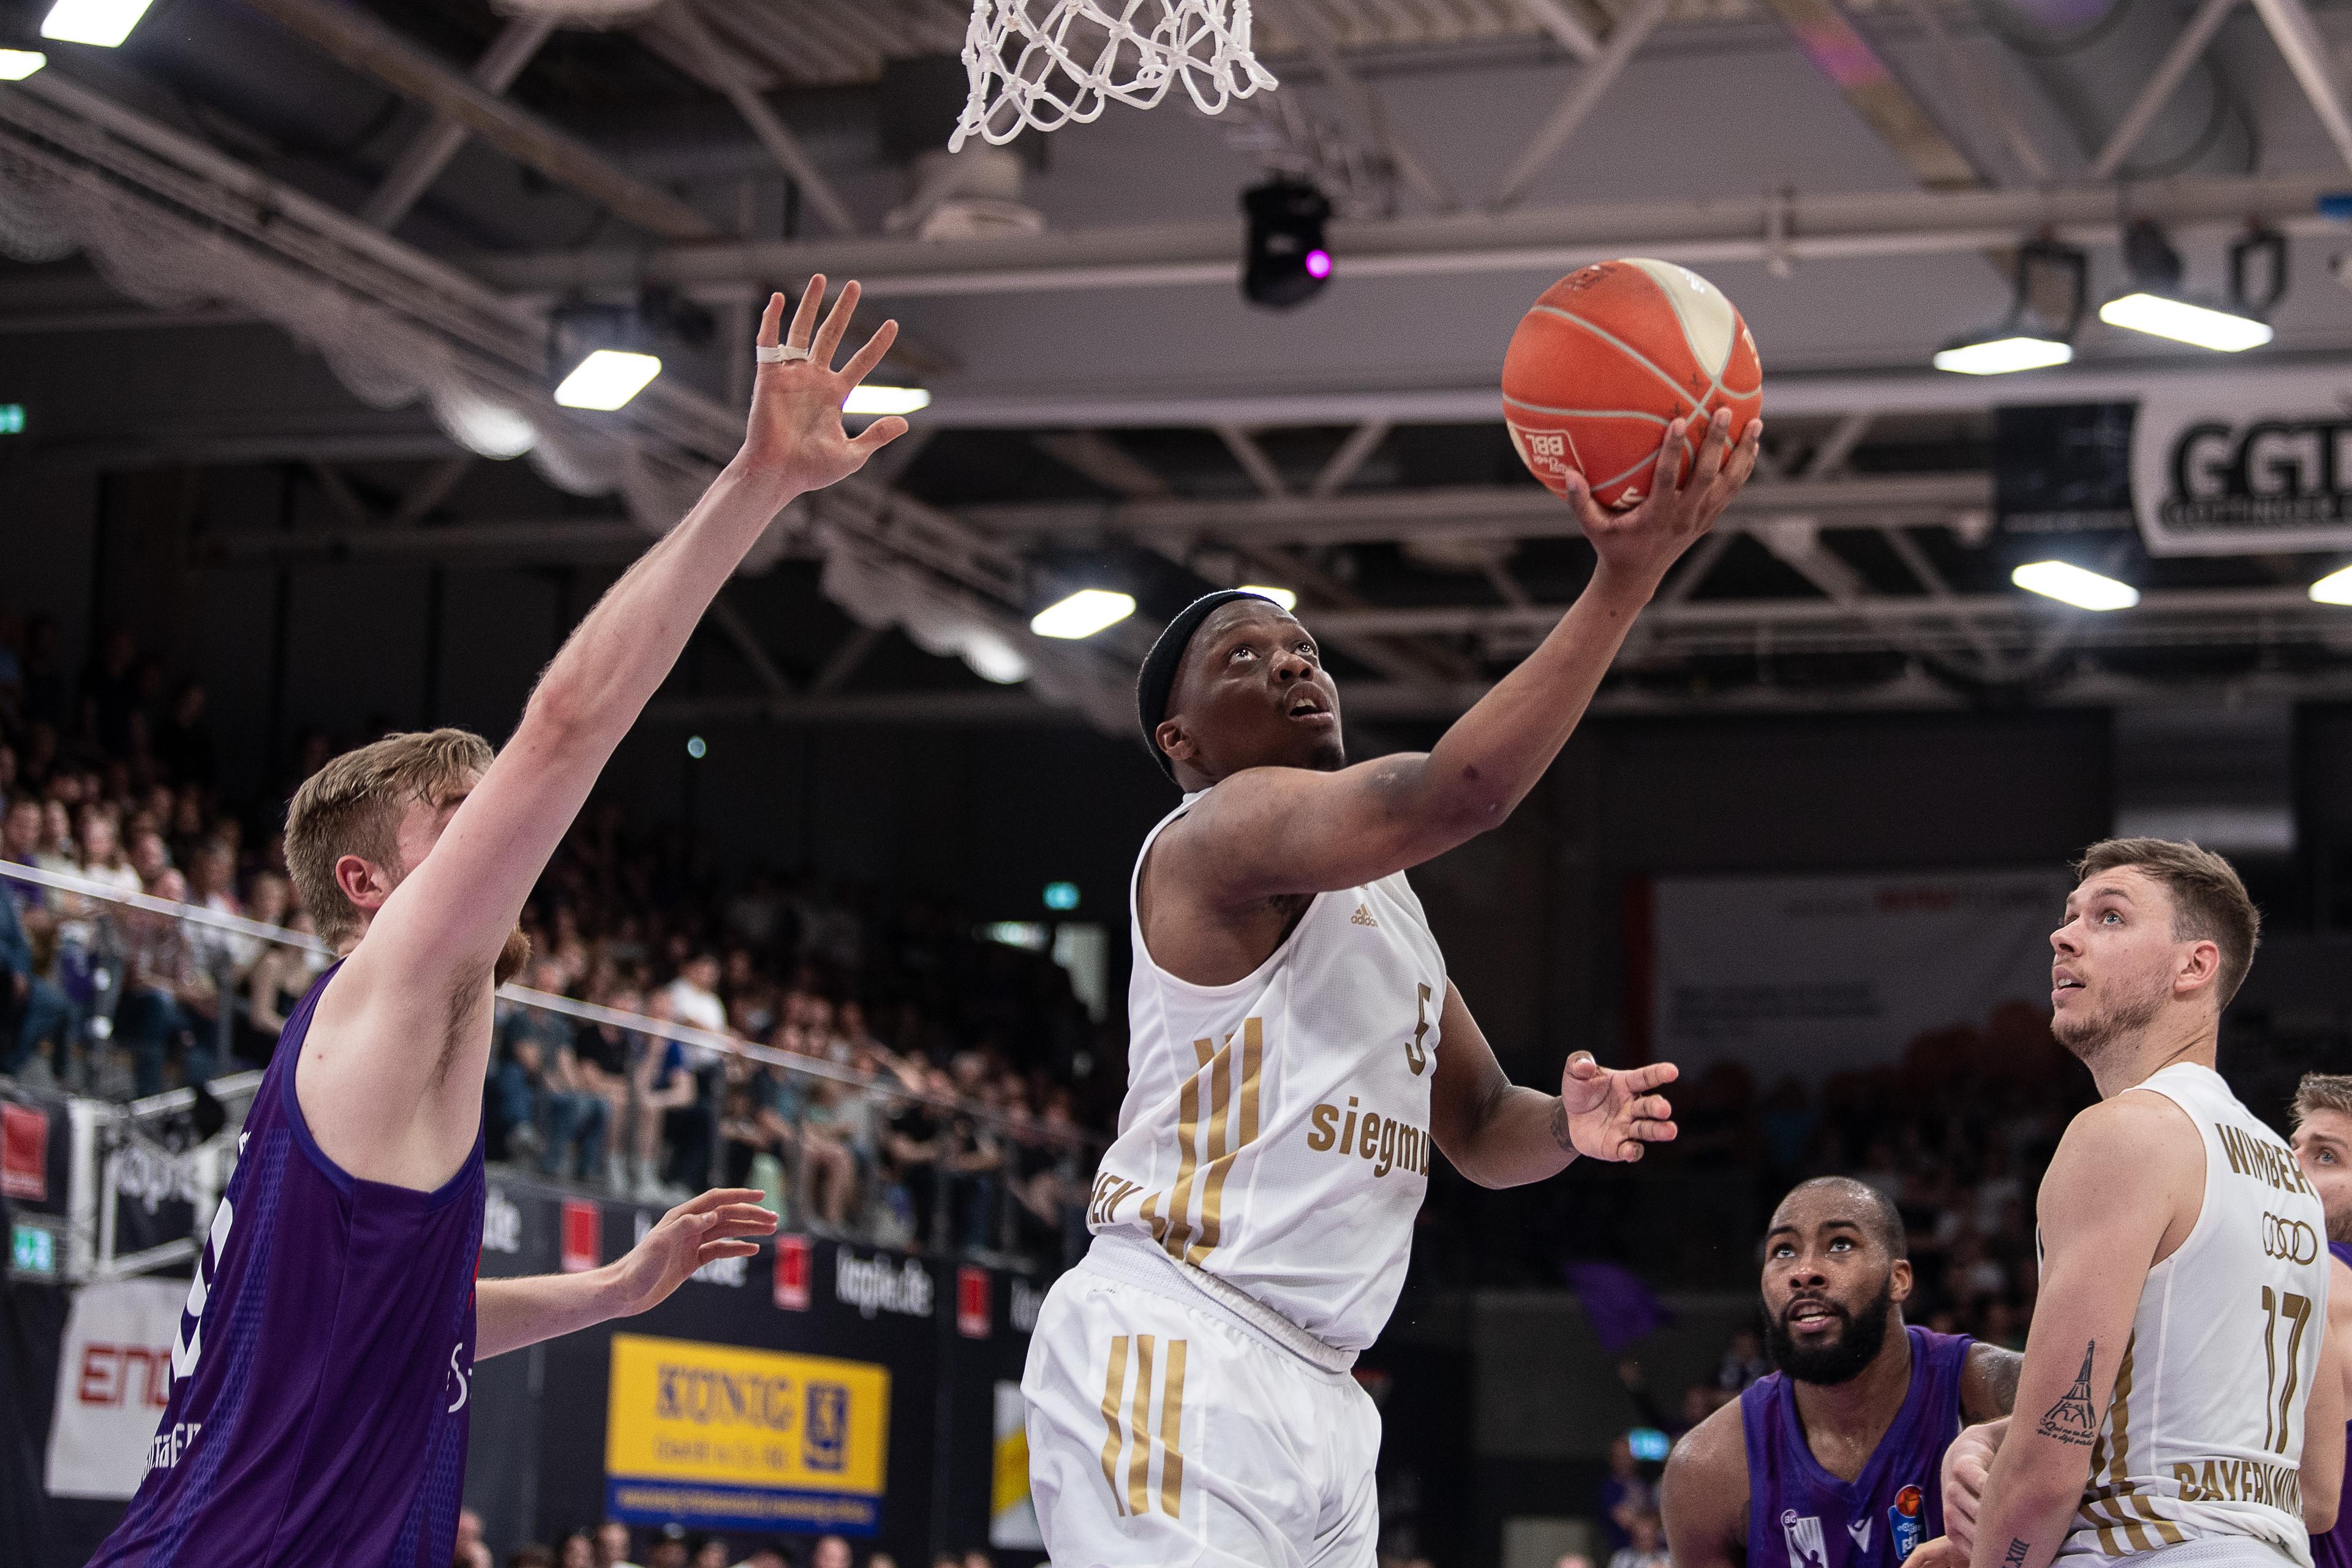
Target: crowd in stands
[(908, 1082), (612, 1544)]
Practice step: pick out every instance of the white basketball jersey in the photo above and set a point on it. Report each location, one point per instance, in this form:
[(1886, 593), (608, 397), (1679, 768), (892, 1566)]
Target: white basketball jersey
[(2202, 1439), (1276, 1131)]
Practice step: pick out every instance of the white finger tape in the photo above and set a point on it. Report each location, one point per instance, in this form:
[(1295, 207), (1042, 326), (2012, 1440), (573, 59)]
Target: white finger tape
[(779, 353)]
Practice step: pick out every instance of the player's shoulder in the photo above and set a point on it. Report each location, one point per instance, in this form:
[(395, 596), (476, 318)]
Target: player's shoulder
[(1710, 1460), (2125, 1131)]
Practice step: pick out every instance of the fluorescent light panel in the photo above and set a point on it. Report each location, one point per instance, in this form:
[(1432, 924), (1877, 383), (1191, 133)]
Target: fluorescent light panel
[(105, 23), (15, 65), (607, 379), (2336, 588), (878, 400), (2161, 315), (2071, 585), (2000, 356), (1283, 596), (1083, 613)]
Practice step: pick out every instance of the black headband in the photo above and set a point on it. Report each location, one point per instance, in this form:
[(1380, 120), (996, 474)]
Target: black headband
[(1157, 679)]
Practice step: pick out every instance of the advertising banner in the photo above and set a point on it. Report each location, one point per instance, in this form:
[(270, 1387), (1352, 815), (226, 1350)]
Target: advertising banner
[(1011, 1512), (724, 1437), (158, 1191), (114, 1376), (2230, 468), (1814, 975)]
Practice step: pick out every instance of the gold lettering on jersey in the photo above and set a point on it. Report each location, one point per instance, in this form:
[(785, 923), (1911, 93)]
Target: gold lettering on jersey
[(1110, 1191), (1387, 1142), (2264, 1160), (2241, 1480), (1416, 1055)]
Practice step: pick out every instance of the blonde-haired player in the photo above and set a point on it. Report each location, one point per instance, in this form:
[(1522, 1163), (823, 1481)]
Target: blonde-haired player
[(2182, 1400), (1296, 1059)]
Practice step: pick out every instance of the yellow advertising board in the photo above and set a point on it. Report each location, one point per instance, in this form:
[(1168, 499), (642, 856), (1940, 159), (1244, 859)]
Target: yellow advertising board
[(719, 1436)]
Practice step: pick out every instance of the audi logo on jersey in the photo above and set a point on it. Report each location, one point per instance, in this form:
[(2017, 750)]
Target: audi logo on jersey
[(2289, 1240)]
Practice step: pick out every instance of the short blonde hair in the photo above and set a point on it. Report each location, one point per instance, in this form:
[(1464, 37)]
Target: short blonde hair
[(2208, 902), (354, 805), (2322, 1092)]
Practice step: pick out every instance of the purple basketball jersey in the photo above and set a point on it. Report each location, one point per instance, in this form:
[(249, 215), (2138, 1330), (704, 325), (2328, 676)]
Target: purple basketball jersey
[(1801, 1516), (2333, 1549), (323, 1364)]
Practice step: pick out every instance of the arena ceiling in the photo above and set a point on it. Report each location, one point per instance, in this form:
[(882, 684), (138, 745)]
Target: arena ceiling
[(427, 197)]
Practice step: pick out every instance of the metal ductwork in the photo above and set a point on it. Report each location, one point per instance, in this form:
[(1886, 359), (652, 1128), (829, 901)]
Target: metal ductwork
[(2093, 58)]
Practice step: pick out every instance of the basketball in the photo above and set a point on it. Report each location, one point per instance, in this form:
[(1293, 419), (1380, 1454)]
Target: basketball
[(1607, 357)]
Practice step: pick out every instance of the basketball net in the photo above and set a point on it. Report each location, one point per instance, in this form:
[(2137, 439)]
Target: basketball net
[(1048, 62)]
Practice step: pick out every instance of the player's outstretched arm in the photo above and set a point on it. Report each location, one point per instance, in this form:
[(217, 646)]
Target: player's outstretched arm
[(2098, 1242), (1703, 1496), (511, 1313), (444, 924), (1500, 1134), (1271, 831)]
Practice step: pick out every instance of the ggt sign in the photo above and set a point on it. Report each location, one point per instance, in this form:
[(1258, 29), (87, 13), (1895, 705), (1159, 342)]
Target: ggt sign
[(2263, 474)]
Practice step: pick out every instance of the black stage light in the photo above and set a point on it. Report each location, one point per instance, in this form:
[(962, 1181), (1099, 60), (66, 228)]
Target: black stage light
[(1287, 263)]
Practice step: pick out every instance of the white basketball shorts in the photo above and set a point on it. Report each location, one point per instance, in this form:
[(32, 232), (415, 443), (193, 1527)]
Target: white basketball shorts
[(1165, 1428)]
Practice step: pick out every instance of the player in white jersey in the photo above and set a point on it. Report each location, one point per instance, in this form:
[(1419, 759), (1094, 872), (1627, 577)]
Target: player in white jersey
[(1296, 1053), (2181, 1399)]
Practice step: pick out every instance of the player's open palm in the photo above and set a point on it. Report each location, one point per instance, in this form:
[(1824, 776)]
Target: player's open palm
[(1611, 1114), (719, 1224), (1685, 498), (795, 431)]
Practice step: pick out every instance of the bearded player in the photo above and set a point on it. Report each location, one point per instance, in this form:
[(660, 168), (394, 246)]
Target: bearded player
[(1836, 1460), (321, 1376), (1296, 1052), (2181, 1395), (2322, 1142)]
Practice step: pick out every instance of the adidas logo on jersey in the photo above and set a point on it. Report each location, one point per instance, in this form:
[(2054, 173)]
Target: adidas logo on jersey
[(1362, 917)]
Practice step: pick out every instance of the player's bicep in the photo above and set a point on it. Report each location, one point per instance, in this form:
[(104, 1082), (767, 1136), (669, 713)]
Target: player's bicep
[(2322, 1425), (1468, 1080), (1266, 832)]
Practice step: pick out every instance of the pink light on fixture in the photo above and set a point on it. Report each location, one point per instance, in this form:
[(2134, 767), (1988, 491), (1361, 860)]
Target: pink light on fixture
[(1318, 264)]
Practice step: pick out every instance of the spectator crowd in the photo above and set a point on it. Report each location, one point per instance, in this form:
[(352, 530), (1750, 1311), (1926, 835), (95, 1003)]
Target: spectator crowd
[(878, 1067), (612, 1544)]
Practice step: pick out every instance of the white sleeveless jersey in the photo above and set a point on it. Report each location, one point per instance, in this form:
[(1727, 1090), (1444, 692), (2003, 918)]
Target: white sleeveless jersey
[(2202, 1439), (1276, 1131)]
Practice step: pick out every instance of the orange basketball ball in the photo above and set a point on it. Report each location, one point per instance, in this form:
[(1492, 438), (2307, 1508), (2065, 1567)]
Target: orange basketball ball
[(1609, 354)]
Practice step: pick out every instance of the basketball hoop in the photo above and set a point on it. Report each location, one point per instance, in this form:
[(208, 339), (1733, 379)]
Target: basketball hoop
[(1048, 62)]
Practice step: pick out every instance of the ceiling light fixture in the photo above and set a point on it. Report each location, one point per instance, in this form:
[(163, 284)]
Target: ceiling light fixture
[(2072, 585), (104, 23), (2158, 305), (2336, 588), (2024, 338), (606, 379), (880, 400), (1083, 613), (15, 65), (1283, 596)]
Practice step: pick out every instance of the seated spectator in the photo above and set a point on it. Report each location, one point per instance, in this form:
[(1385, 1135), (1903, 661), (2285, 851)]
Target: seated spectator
[(604, 1052), (830, 1551), (168, 1001), (472, 1551), (694, 995), (912, 1145), (612, 1545), (536, 1556), (664, 1097), (37, 1022), (1647, 1548)]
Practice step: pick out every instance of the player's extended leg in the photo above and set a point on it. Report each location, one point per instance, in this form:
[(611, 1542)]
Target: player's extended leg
[(1163, 1434)]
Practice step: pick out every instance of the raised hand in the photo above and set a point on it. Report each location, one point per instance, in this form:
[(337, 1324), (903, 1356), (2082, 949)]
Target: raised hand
[(698, 1231), (1685, 498), (795, 431), (1608, 1114)]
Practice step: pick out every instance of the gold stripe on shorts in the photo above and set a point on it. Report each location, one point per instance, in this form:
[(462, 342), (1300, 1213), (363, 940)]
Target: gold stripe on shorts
[(1139, 1425), (1114, 1385), (1171, 1431)]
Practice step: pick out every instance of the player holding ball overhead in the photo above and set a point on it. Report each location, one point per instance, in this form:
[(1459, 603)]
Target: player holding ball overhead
[(1299, 1057)]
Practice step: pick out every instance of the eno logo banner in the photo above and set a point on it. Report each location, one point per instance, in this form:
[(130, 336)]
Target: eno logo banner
[(114, 1376), (971, 1302), (583, 1242), (795, 1269), (2230, 468)]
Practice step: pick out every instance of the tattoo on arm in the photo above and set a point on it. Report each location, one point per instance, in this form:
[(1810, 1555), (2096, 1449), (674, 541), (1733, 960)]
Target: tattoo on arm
[(1559, 1130), (2017, 1552), (2073, 1420)]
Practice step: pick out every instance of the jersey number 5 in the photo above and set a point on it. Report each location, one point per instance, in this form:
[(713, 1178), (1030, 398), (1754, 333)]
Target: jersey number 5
[(1417, 1055)]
